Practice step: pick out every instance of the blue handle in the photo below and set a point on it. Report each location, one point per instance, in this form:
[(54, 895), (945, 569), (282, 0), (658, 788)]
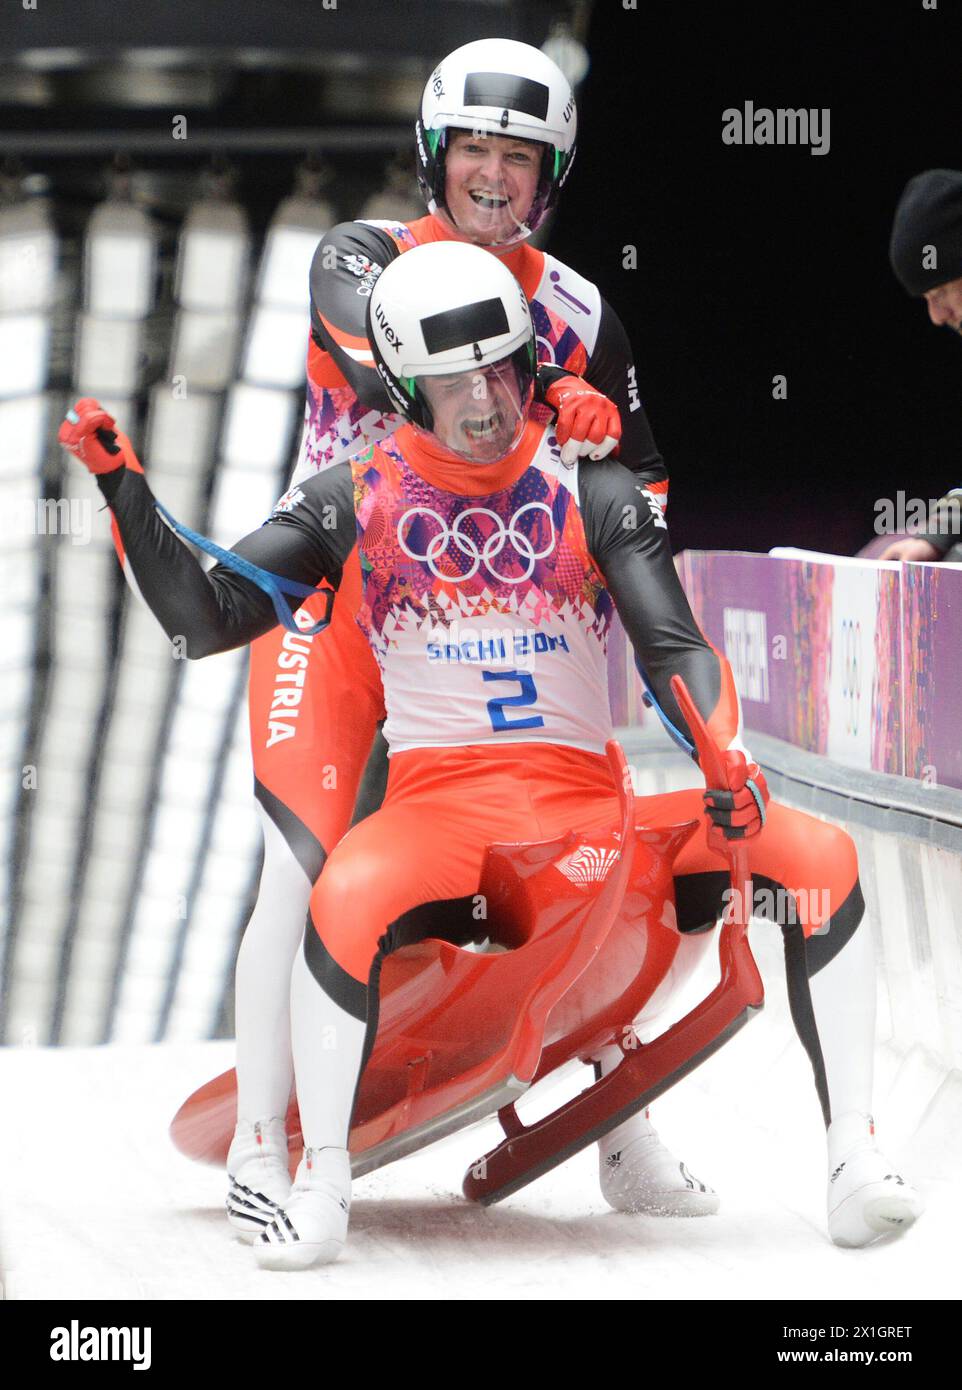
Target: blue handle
[(274, 585)]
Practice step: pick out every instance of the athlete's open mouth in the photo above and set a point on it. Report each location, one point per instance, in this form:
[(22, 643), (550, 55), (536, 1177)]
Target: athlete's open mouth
[(486, 429), (490, 201)]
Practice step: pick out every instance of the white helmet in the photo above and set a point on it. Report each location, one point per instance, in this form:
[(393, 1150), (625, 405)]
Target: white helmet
[(444, 309), (498, 87)]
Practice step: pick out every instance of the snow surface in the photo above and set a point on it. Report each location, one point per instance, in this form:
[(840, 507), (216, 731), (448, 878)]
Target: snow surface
[(96, 1203)]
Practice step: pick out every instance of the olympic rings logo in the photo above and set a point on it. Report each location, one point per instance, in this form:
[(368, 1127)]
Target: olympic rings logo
[(851, 672), (491, 547)]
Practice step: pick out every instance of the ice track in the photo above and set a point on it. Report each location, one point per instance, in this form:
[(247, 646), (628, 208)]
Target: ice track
[(96, 1203)]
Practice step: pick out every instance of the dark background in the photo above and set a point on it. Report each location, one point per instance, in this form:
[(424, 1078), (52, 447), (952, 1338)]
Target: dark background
[(759, 260), (752, 260)]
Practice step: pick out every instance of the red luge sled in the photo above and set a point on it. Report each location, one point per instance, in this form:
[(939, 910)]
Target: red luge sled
[(584, 935)]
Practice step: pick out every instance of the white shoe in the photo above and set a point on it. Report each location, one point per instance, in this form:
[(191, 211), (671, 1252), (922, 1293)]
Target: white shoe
[(260, 1180), (312, 1227), (867, 1199), (638, 1174)]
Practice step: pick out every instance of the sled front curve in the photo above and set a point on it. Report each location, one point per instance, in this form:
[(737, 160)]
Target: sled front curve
[(647, 1071)]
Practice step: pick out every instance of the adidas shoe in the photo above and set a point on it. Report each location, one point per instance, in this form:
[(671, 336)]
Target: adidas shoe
[(867, 1198), (258, 1174), (641, 1175), (312, 1226)]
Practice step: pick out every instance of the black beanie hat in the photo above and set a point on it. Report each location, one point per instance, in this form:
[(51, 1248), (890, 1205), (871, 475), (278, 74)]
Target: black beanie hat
[(929, 214)]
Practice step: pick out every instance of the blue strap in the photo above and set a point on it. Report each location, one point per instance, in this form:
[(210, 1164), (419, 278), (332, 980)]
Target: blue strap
[(274, 585), (674, 734), (759, 799)]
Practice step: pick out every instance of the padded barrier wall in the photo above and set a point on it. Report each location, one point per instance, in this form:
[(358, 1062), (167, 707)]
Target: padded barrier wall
[(908, 829), (854, 659)]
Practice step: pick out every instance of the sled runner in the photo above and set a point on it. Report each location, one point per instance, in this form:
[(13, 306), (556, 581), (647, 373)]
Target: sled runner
[(580, 936)]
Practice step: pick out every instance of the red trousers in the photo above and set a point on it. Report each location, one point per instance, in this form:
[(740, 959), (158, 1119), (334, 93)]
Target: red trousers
[(445, 805)]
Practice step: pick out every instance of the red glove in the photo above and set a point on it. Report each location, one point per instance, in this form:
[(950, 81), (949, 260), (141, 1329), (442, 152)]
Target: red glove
[(587, 423), (738, 814), (92, 435)]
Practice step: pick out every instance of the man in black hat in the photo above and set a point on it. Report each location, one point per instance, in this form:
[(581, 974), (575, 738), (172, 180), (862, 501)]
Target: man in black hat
[(926, 255)]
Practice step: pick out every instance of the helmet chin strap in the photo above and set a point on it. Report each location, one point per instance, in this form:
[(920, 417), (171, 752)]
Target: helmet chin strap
[(445, 212)]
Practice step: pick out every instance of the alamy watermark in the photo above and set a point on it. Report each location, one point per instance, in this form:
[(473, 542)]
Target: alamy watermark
[(785, 907), (49, 516), (941, 516), (76, 1343), (783, 125)]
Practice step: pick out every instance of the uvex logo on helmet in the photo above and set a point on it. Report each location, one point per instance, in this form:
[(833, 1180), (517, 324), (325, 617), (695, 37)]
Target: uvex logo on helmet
[(422, 152), (389, 333), (394, 391)]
